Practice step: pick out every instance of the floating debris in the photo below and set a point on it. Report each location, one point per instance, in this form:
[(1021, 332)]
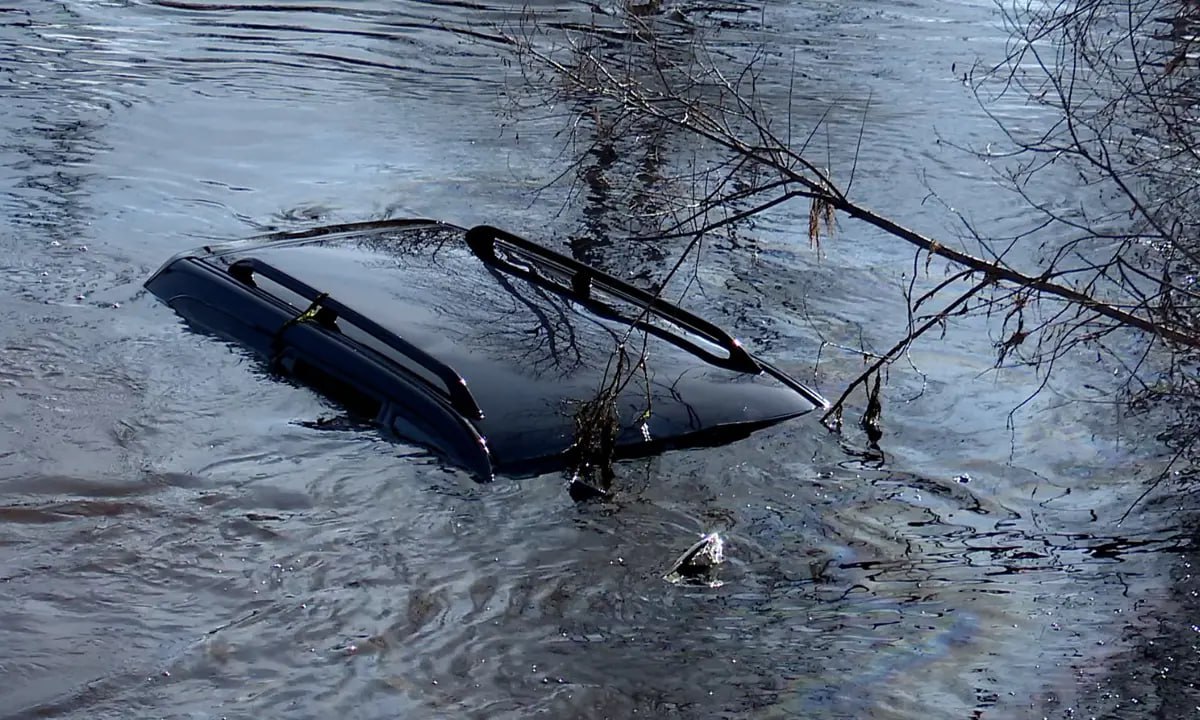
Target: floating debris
[(581, 490), (698, 564)]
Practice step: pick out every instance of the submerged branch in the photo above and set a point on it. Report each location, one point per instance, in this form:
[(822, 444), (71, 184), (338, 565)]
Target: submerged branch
[(835, 409)]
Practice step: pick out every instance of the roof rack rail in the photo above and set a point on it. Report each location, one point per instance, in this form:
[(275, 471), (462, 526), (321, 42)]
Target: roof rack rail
[(456, 388), (363, 226), (483, 239)]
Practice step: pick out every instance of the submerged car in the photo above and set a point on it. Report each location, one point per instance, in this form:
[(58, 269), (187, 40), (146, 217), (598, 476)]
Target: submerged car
[(491, 350)]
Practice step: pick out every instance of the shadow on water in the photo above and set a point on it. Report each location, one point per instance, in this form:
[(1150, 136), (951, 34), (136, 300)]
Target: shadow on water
[(178, 538)]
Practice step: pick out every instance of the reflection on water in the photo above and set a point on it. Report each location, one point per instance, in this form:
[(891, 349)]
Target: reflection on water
[(177, 539)]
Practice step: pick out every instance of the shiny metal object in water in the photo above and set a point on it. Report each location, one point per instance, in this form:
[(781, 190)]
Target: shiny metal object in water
[(698, 564)]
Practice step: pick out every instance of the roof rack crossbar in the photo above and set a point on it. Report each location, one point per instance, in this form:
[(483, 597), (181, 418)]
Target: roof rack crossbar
[(455, 386), (482, 240)]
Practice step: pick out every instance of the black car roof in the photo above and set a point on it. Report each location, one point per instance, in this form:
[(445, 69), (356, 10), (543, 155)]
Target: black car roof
[(530, 332)]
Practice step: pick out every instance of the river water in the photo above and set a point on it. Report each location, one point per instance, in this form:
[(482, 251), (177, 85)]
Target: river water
[(175, 542)]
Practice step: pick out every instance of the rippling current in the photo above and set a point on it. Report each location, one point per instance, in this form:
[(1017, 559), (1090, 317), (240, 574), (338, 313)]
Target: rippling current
[(175, 542)]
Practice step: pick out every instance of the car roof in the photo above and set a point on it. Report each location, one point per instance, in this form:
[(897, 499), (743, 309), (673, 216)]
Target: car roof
[(533, 335)]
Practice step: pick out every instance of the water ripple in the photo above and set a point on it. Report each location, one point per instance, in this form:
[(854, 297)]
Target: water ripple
[(176, 539)]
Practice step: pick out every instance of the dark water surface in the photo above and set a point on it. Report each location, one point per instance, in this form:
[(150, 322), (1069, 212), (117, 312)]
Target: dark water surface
[(173, 543)]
